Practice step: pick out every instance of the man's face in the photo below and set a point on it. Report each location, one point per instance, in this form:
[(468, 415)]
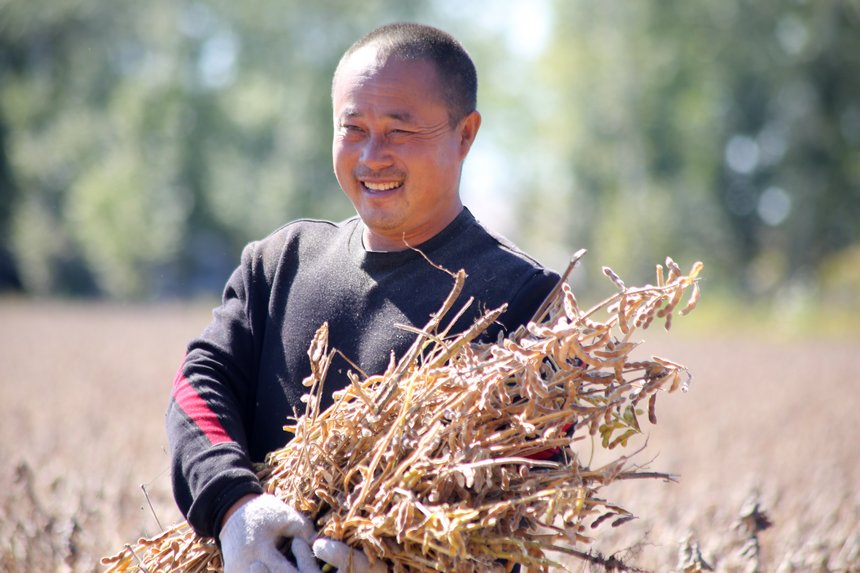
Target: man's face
[(395, 153)]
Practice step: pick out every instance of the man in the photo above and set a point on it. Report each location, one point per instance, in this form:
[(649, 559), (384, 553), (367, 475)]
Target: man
[(404, 104)]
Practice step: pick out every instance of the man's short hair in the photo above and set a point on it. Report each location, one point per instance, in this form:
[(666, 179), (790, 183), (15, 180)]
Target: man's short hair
[(409, 41)]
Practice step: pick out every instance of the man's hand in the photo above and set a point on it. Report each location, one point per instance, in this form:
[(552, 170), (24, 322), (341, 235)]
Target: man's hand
[(345, 558), (251, 535)]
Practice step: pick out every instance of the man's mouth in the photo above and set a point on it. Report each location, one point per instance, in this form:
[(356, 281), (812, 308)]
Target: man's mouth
[(381, 186)]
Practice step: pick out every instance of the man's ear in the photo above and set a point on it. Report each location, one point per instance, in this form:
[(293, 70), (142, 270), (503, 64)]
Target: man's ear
[(468, 127)]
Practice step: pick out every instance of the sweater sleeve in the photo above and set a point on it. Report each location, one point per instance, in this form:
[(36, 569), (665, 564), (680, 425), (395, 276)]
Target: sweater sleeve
[(211, 401)]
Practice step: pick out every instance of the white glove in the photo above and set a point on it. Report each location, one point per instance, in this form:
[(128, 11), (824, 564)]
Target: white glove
[(249, 539), (345, 558), (305, 558)]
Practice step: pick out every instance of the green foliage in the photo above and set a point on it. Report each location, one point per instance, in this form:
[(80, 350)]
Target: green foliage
[(620, 428), (127, 220), (149, 142), (142, 145), (724, 131)]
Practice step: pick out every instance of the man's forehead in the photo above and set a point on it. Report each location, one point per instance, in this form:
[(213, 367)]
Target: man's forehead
[(365, 58), (369, 61), (360, 66), (383, 79)]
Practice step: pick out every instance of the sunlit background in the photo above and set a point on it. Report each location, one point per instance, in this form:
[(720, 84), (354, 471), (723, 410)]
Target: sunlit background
[(143, 144)]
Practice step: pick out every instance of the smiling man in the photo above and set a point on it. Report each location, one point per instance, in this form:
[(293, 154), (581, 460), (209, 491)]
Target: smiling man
[(404, 108), (399, 145)]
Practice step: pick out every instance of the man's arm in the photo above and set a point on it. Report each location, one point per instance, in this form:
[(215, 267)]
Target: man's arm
[(212, 396)]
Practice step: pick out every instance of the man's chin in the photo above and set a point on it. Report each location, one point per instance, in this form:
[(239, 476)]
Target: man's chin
[(380, 222), (383, 233)]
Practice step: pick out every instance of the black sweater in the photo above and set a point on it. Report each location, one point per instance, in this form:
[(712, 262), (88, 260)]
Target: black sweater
[(241, 379)]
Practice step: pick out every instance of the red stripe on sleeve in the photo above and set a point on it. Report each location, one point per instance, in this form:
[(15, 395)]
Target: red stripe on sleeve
[(550, 453), (198, 410)]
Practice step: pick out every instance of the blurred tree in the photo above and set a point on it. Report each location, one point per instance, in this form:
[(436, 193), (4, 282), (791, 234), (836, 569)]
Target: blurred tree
[(142, 145), (727, 131), (791, 131), (9, 278), (147, 143), (38, 99), (631, 134)]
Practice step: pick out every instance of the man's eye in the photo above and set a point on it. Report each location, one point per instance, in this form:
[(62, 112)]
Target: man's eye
[(351, 132)]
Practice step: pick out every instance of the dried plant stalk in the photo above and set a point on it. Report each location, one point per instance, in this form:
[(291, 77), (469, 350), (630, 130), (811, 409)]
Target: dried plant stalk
[(462, 456)]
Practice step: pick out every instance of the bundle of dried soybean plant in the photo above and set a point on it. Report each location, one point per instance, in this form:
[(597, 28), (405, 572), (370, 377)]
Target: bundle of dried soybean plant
[(443, 463)]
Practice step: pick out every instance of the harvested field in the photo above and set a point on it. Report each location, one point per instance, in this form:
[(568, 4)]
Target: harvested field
[(83, 389)]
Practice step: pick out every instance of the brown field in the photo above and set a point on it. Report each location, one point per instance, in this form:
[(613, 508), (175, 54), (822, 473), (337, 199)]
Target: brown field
[(83, 389)]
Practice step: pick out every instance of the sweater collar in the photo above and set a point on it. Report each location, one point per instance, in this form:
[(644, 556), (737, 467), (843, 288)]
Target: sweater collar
[(378, 261)]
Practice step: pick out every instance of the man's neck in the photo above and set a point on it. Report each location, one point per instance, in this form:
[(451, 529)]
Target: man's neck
[(389, 243)]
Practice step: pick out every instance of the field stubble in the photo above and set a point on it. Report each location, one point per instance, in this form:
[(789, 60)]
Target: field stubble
[(84, 387)]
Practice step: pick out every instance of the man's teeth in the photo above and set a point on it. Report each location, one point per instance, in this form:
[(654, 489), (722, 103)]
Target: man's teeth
[(381, 186)]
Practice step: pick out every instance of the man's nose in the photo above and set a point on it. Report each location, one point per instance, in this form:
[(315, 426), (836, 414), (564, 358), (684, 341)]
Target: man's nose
[(376, 152)]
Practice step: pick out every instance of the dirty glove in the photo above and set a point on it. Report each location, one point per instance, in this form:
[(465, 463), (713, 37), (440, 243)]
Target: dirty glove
[(250, 538), (345, 558)]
